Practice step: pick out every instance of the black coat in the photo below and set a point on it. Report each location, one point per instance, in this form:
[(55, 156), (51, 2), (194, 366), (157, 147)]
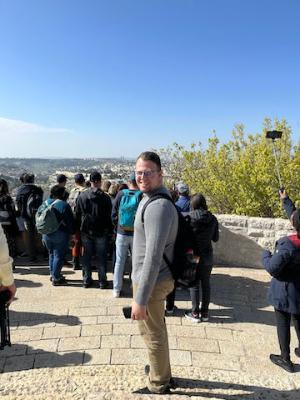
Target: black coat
[(206, 229), (284, 267), (94, 206)]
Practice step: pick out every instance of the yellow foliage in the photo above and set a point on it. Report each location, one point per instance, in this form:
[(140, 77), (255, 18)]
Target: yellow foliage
[(239, 177)]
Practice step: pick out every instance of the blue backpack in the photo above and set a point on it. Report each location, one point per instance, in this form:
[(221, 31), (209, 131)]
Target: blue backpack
[(127, 209)]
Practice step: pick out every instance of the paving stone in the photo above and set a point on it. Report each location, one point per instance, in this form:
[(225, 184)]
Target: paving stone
[(137, 342), (243, 329), (130, 329), (70, 320), (87, 311), (180, 357), (79, 343), (99, 356), (198, 344), (115, 310), (39, 346), (62, 332), (17, 349), (115, 342), (232, 348), (262, 366), (18, 363), (112, 319), (96, 330), (129, 356), (219, 333), (173, 320), (25, 335), (196, 330), (88, 320), (62, 359), (217, 361), (35, 324)]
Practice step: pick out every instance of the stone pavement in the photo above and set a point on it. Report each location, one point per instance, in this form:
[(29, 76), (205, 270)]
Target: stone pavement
[(73, 343)]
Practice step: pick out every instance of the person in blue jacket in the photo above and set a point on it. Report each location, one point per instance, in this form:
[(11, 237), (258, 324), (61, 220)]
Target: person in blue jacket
[(284, 291), (57, 242), (183, 202)]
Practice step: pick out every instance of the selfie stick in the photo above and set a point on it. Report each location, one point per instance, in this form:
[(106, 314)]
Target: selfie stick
[(276, 163), (275, 135)]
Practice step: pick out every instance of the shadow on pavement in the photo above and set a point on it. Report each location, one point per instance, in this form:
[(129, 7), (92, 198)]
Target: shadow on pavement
[(26, 357), (24, 283), (34, 318), (242, 300), (217, 390)]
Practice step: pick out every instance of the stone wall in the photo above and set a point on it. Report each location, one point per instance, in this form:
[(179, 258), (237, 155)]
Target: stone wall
[(242, 239)]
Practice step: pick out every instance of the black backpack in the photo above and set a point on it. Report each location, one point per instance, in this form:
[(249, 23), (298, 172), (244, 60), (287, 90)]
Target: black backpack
[(185, 267), (30, 202)]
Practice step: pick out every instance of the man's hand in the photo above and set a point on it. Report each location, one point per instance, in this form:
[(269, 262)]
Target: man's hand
[(283, 194), (12, 289), (138, 312)]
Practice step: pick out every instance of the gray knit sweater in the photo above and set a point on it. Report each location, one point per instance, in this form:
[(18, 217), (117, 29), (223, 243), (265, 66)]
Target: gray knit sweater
[(150, 241)]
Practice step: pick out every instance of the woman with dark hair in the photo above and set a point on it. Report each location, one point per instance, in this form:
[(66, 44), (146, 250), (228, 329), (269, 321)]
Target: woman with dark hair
[(206, 229), (284, 292), (8, 218), (57, 242)]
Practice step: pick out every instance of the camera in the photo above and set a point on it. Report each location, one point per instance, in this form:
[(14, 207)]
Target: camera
[(273, 135), (4, 319)]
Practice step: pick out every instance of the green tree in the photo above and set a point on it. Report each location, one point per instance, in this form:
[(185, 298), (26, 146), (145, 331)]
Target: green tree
[(239, 177)]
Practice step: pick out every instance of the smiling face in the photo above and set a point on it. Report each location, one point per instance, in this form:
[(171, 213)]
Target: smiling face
[(148, 175)]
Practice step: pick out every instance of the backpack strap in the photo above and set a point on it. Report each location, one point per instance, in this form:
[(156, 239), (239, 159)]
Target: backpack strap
[(153, 198)]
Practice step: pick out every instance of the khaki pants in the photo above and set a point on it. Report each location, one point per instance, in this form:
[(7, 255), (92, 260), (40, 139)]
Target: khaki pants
[(155, 335)]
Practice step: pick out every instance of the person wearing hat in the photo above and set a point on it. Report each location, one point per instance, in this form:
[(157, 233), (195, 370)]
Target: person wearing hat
[(284, 292), (61, 180), (183, 202), (93, 216), (123, 214), (74, 193)]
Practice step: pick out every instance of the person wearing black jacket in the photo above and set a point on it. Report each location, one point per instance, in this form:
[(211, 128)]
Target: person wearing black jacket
[(8, 218), (284, 291), (93, 215), (29, 197), (206, 229)]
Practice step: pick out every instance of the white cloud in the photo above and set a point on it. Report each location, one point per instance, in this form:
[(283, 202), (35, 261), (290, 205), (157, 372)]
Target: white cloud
[(26, 139), (18, 127)]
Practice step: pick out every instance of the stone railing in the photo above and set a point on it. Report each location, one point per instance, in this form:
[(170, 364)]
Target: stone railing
[(242, 239)]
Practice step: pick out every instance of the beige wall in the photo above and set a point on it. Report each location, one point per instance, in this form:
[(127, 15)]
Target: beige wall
[(242, 239)]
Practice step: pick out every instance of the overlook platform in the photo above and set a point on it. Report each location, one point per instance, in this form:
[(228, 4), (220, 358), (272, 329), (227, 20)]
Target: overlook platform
[(74, 343)]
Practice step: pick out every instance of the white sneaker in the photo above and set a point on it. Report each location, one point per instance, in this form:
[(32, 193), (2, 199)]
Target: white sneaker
[(116, 293)]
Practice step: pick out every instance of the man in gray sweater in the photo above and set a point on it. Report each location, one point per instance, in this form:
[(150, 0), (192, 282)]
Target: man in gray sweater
[(151, 277)]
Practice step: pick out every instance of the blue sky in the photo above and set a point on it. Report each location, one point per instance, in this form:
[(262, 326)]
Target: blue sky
[(115, 77)]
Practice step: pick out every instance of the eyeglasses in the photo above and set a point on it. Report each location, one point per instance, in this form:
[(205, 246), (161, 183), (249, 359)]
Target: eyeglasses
[(146, 174)]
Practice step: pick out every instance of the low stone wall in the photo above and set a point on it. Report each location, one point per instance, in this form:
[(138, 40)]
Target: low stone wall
[(242, 239)]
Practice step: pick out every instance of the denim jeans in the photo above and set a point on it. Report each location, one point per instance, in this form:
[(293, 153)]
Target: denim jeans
[(205, 272), (57, 245), (99, 245), (123, 243)]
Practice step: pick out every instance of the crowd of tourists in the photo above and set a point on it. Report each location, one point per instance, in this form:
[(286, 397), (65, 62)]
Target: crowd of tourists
[(142, 218)]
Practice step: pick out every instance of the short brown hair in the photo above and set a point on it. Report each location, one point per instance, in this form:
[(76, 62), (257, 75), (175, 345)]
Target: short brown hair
[(151, 156)]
